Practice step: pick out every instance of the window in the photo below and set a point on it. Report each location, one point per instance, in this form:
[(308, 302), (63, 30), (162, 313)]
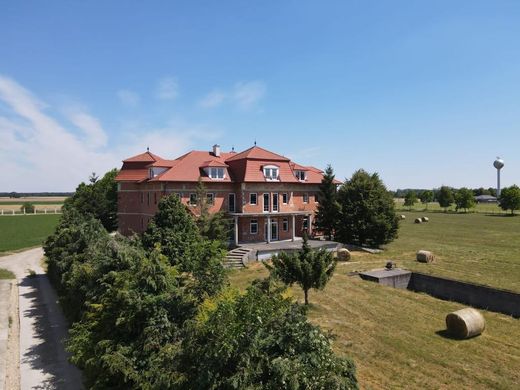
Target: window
[(305, 198), (285, 198), (253, 226), (252, 198), (285, 225), (305, 223), (231, 203), (300, 175), (266, 202), (271, 172), (155, 198), (216, 173), (275, 202), (193, 199), (210, 198)]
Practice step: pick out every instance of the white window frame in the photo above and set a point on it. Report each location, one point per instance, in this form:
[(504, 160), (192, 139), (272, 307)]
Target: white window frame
[(301, 175), (253, 222), (256, 198), (268, 202), (272, 169), (286, 196), (275, 206), (216, 173), (305, 197)]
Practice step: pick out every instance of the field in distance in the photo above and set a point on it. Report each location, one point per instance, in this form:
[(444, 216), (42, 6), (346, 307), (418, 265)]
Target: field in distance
[(492, 208), (25, 231), (36, 200), (395, 336)]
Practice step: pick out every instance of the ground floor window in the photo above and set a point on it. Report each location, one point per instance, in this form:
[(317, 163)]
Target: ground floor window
[(253, 226), (285, 225), (211, 198)]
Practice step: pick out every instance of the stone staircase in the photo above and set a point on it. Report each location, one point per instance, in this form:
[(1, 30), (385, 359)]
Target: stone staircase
[(237, 258)]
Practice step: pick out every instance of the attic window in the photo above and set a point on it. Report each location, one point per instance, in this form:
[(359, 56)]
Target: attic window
[(300, 175), (271, 172), (216, 173)]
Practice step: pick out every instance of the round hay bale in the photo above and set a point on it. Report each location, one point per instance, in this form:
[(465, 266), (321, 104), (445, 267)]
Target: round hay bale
[(418, 220), (343, 254), (402, 216), (425, 219), (465, 323), (424, 256)]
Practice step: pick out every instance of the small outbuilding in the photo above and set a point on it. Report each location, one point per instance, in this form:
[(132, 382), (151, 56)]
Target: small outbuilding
[(486, 199)]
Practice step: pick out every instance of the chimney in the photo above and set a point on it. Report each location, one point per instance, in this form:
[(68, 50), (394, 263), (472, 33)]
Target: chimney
[(216, 150)]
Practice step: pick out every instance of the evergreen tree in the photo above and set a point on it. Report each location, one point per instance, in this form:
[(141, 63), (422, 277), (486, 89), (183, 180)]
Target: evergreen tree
[(327, 214), (410, 199), (510, 199), (445, 197), (308, 268), (99, 199), (464, 199), (367, 211)]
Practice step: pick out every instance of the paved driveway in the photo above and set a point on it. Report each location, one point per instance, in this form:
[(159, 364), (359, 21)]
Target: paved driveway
[(43, 360)]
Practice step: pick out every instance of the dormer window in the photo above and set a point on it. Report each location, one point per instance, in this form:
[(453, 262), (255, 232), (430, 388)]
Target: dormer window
[(216, 173), (271, 172), (300, 175)]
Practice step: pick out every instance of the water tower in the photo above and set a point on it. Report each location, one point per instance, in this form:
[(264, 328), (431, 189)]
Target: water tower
[(498, 164)]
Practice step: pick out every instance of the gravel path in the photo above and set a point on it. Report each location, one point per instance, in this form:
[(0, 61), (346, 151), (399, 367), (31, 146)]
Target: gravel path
[(43, 360)]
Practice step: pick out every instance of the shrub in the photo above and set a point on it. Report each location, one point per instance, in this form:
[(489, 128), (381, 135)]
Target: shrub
[(27, 207)]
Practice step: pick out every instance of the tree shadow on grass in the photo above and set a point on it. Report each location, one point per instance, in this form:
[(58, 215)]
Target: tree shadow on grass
[(509, 215), (47, 353)]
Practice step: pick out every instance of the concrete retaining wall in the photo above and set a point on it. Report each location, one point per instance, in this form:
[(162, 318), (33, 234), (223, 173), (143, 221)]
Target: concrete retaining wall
[(483, 297)]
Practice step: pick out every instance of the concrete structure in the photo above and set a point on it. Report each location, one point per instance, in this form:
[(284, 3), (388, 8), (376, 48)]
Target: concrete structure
[(498, 164), (268, 196)]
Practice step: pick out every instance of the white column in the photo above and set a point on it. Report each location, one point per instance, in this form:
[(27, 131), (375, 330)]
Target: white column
[(268, 230), (236, 230), (310, 225), (293, 227)]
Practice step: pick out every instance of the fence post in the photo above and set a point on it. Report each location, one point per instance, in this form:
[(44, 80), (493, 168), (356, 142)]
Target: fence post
[(24, 210), (2, 211), (55, 210), (12, 211), (45, 211)]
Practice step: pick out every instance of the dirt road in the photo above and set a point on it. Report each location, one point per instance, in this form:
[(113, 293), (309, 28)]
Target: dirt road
[(43, 360)]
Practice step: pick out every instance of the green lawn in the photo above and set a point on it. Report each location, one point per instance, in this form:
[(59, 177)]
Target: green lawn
[(6, 274), (395, 336), (25, 231)]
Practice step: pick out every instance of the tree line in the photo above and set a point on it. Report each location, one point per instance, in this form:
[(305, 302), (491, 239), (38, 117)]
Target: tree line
[(156, 311)]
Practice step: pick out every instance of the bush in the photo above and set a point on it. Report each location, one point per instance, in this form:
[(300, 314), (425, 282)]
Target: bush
[(27, 207)]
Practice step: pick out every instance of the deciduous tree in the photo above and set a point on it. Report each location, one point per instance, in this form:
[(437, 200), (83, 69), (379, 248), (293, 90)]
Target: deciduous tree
[(510, 199), (410, 199), (464, 199), (445, 197), (426, 197)]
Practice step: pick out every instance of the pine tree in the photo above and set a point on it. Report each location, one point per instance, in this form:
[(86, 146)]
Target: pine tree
[(308, 268), (328, 208)]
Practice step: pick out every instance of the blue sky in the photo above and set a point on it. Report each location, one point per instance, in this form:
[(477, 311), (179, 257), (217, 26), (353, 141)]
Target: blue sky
[(425, 93)]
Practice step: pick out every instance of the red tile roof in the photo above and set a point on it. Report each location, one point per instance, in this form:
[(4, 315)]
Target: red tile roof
[(246, 166)]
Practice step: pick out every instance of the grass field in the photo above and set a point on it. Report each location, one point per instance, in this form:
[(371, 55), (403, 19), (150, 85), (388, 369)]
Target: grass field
[(492, 208), (18, 232), (396, 336)]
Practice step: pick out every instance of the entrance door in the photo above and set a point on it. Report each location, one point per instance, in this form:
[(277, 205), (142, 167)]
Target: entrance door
[(274, 230)]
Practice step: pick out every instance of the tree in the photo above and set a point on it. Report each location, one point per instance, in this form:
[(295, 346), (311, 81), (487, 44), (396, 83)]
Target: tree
[(367, 211), (174, 229), (260, 340), (445, 197), (212, 226), (464, 199), (426, 197), (328, 211), (410, 199), (27, 207), (99, 199), (308, 268), (510, 199)]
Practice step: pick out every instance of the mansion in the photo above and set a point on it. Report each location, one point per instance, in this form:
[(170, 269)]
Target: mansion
[(268, 196)]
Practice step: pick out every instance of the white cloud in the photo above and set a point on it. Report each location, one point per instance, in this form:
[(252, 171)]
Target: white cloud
[(167, 89), (247, 94), (128, 98), (213, 99), (244, 95), (39, 153)]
